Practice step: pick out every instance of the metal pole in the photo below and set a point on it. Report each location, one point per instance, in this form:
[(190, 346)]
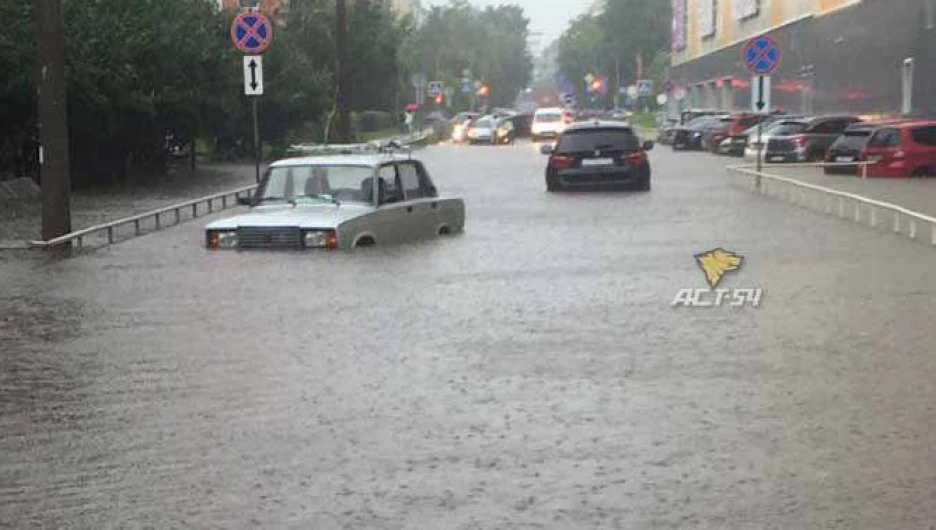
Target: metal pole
[(343, 78), (760, 150), (53, 120), (256, 130)]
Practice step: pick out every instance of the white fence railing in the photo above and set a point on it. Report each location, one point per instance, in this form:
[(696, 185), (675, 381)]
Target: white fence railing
[(835, 202), (180, 213)]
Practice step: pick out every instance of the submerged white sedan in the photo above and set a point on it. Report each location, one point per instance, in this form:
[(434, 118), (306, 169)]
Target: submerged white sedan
[(340, 202)]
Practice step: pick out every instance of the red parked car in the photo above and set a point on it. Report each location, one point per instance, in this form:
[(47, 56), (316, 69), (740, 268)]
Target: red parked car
[(902, 150), (729, 127)]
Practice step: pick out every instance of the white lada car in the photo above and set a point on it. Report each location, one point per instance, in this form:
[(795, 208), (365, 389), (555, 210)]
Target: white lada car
[(340, 202)]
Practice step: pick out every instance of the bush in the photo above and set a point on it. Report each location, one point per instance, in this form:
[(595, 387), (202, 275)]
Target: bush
[(372, 121)]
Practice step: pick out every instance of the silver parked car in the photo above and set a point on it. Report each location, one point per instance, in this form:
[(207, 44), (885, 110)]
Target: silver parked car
[(340, 202)]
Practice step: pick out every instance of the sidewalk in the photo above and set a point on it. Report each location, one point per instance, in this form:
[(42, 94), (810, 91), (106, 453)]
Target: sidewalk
[(918, 195), (22, 220)]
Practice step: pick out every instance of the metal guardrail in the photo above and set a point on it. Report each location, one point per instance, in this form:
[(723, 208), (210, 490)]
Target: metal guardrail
[(844, 202), (111, 228)]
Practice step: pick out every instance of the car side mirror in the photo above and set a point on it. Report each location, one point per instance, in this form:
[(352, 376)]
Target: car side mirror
[(546, 149), (648, 145), (244, 201)]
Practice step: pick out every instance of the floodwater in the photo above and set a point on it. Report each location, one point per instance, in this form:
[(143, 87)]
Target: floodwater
[(529, 373)]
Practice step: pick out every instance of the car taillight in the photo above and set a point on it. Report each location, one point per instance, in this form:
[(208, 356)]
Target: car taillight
[(636, 159), (799, 140), (561, 162)]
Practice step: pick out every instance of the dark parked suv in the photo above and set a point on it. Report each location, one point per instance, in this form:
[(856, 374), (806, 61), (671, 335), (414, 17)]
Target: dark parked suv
[(811, 143), (689, 136), (598, 154)]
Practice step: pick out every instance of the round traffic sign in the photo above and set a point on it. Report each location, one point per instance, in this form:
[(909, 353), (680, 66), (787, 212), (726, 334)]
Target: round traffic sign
[(762, 55), (251, 32), (662, 99)]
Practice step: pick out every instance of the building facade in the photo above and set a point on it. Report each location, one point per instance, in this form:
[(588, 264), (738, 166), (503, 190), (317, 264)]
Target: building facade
[(861, 56)]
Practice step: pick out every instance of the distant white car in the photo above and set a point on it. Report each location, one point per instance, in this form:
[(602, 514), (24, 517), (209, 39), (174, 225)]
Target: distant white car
[(340, 202), (483, 130), (549, 123)]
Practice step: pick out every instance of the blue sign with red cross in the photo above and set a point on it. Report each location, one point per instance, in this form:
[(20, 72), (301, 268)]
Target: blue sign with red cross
[(762, 55), (251, 32)]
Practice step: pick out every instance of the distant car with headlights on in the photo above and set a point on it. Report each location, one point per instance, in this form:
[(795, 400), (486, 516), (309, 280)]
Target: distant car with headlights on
[(460, 125), (597, 154), (340, 202), (482, 131)]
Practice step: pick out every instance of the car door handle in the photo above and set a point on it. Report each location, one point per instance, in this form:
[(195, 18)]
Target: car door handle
[(409, 209), (435, 205)]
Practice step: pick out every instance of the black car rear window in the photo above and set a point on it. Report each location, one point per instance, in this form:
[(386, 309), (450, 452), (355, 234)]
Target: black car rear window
[(786, 129), (588, 140), (853, 139), (924, 135)]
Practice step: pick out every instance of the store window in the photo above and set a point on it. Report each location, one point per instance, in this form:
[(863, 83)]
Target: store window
[(745, 9), (708, 14), (680, 24)]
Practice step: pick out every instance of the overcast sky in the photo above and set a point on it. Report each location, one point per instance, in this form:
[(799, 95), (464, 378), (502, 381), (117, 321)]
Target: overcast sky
[(549, 17)]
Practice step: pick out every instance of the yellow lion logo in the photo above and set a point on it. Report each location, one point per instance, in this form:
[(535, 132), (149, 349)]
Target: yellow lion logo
[(716, 263)]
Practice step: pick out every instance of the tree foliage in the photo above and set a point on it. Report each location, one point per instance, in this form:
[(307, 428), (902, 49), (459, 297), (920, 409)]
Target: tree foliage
[(491, 43), (139, 69), (611, 41)]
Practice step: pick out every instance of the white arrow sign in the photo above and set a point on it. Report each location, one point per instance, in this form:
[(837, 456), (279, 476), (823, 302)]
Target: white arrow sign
[(760, 94), (253, 75)]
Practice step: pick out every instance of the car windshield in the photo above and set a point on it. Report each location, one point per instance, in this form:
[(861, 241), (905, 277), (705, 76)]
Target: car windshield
[(318, 183), (701, 121), (483, 124), (549, 117), (590, 140)]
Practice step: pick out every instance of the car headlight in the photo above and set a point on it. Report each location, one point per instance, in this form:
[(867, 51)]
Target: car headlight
[(697, 135), (222, 239), (320, 239)]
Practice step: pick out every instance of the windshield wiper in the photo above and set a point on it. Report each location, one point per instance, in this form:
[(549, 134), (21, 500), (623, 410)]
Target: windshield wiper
[(328, 198), (281, 199)]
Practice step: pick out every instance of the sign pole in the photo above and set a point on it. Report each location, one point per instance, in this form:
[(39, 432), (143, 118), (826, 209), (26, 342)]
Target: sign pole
[(53, 120), (256, 131), (762, 55)]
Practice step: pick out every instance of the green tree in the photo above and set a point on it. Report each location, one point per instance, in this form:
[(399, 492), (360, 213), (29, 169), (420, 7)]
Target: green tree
[(612, 41)]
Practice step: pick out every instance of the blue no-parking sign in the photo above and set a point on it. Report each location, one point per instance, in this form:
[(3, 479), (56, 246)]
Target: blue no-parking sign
[(762, 55), (251, 32)]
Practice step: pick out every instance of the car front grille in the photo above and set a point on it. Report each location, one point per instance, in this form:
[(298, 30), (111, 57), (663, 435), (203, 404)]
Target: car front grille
[(269, 237)]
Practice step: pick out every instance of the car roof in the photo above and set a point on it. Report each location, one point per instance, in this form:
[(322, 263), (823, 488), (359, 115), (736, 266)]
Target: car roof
[(916, 123), (550, 110), (598, 124), (364, 160), (815, 119)]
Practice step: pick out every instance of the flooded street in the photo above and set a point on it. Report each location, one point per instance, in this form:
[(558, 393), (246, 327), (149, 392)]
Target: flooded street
[(529, 373)]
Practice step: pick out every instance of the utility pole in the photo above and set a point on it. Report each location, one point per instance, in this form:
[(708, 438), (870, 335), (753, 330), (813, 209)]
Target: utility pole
[(53, 120), (617, 87), (342, 73)]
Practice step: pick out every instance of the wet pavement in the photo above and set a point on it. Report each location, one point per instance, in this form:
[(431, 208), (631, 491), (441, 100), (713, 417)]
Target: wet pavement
[(21, 221), (529, 373)]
